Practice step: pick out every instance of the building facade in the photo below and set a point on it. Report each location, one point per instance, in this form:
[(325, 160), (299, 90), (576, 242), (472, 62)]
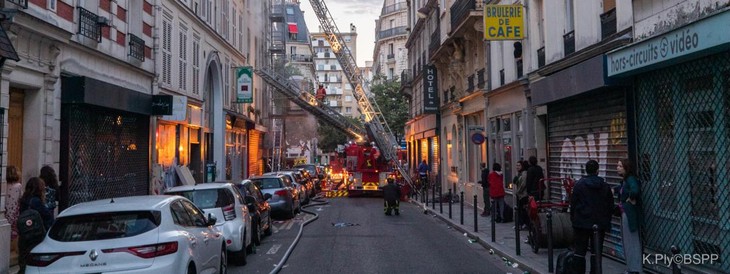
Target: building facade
[(390, 56), (329, 72)]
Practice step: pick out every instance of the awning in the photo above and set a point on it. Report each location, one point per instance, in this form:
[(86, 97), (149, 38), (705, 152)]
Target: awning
[(293, 28), (7, 51)]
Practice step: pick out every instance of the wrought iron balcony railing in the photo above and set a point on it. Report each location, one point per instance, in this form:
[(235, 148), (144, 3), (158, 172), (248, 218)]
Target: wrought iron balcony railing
[(392, 32), (393, 8), (21, 3), (608, 23), (480, 79), (435, 42), (300, 58), (461, 10), (569, 42), (391, 56), (89, 24), (406, 76), (136, 47)]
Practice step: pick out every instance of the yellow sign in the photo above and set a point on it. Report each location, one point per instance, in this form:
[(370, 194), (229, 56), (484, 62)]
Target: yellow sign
[(504, 22)]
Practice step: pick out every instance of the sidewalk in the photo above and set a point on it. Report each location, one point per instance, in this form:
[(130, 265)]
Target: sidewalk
[(504, 244)]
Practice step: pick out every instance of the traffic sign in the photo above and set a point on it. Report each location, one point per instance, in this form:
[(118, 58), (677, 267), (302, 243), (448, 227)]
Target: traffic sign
[(477, 138)]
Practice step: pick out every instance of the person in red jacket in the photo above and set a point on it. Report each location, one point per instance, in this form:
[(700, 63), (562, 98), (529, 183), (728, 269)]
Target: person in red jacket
[(321, 94), (496, 192)]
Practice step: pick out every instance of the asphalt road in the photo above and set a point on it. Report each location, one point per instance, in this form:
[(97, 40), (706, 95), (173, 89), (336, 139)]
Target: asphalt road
[(352, 235)]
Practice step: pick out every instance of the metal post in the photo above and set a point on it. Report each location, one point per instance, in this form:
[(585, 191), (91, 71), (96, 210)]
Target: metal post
[(596, 250), (451, 197), (493, 219), (441, 200), (550, 240), (476, 222), (433, 197), (462, 207), (676, 268), (517, 225)]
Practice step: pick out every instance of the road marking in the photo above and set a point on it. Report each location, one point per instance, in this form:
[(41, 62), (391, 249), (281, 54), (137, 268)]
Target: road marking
[(273, 249), (291, 223)]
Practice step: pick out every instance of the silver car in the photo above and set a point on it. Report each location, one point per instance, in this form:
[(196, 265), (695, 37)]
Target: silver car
[(284, 195), (301, 188)]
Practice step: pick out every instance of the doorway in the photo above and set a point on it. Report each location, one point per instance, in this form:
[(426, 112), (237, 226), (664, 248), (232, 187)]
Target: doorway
[(16, 114)]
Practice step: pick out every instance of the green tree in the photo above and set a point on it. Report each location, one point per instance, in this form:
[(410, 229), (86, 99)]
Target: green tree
[(392, 103), (330, 136)]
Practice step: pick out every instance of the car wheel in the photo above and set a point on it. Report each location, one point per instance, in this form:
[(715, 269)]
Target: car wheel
[(239, 257), (255, 235), (269, 228), (191, 269), (223, 267)]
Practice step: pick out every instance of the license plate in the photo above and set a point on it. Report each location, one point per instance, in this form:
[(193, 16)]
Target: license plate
[(370, 187)]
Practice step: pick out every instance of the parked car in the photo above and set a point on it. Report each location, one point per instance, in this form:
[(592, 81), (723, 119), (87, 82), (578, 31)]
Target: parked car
[(223, 200), (284, 197), (302, 176), (141, 234), (301, 186), (316, 174), (258, 207)]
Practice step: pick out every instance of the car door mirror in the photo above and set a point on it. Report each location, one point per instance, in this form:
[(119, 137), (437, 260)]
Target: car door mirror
[(267, 196), (211, 219)]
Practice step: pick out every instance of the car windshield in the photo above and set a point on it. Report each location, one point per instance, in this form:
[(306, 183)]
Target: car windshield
[(207, 198), (310, 169), (268, 183), (102, 226)]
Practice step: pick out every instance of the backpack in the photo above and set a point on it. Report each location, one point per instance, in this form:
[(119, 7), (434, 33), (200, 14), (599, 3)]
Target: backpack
[(30, 227), (564, 263)]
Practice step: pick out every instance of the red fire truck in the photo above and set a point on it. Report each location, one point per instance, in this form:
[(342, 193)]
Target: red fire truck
[(367, 171)]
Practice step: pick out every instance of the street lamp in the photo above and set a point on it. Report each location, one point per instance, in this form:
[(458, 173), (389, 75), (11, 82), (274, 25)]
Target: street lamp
[(425, 10)]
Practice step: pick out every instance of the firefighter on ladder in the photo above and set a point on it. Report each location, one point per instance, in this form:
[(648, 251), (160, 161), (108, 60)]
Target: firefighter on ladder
[(321, 94)]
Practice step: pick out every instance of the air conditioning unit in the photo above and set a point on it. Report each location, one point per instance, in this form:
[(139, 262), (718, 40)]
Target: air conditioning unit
[(103, 21)]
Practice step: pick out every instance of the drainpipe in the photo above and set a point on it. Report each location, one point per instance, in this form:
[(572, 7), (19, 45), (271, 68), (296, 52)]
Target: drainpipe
[(154, 88)]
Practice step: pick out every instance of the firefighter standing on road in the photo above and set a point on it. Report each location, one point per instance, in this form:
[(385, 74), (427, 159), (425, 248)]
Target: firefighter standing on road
[(391, 194)]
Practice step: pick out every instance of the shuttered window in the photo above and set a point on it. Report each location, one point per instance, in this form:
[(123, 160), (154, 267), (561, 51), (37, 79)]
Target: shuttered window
[(183, 61), (196, 64), (167, 49)]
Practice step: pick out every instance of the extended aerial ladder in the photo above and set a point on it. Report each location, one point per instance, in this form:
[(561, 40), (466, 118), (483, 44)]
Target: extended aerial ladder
[(376, 126)]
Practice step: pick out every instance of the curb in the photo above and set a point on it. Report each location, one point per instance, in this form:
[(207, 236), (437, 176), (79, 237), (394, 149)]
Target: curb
[(481, 242)]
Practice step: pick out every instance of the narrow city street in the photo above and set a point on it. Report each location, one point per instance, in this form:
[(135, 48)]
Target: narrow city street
[(352, 235)]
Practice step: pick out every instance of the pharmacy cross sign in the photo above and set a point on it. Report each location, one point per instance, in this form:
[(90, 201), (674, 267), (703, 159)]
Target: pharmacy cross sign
[(244, 85)]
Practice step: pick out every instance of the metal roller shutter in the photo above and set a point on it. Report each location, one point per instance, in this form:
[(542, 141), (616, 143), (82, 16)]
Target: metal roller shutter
[(254, 159)]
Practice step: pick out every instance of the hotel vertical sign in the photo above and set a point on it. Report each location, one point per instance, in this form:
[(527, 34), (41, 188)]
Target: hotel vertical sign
[(430, 89)]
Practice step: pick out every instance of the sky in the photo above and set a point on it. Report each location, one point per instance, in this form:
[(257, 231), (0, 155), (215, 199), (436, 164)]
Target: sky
[(362, 13)]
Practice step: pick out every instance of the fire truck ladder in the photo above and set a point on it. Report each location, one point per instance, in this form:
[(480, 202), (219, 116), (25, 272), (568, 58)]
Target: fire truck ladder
[(375, 123), (306, 101)]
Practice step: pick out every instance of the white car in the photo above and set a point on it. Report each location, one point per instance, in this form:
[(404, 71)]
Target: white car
[(225, 202), (141, 234)]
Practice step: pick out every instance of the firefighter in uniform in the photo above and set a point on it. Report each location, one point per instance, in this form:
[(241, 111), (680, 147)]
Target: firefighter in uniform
[(391, 194), (321, 94)]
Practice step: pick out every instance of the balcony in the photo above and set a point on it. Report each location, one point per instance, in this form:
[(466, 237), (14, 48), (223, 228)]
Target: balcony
[(480, 79), (89, 25), (470, 83), (569, 42), (433, 46), (406, 76), (519, 67), (21, 3), (392, 32), (136, 47), (541, 57), (394, 8), (300, 58), (501, 77), (461, 10), (391, 56), (277, 13), (608, 23)]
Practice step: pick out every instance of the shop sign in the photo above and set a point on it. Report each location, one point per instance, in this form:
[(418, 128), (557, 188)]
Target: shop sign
[(698, 36), (161, 105), (430, 89), (179, 109), (244, 85), (504, 22)]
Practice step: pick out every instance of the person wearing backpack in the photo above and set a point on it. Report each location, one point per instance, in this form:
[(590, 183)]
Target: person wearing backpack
[(33, 210)]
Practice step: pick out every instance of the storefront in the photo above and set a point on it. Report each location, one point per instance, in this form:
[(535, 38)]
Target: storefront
[(178, 144), (104, 141), (585, 120), (682, 105), (506, 128), (236, 147), (256, 152), (475, 145), (422, 143)]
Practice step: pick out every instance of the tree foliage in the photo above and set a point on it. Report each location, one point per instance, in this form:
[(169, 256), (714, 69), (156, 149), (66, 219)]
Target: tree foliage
[(330, 136), (392, 103)]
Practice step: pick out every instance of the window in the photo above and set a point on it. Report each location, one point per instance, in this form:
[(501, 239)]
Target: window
[(348, 110), (348, 98), (179, 215), (390, 49), (207, 198), (333, 67), (167, 49), (347, 39), (391, 73), (52, 5), (290, 11), (88, 25), (227, 83), (136, 47), (196, 64), (392, 23), (183, 61), (104, 225), (195, 213)]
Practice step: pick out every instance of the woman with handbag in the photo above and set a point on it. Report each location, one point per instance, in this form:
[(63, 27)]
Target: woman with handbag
[(629, 194)]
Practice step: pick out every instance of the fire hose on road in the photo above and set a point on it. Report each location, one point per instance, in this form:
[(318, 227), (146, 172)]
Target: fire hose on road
[(318, 201)]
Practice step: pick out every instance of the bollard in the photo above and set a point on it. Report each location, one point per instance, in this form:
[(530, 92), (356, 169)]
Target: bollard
[(596, 250), (676, 268), (462, 207), (550, 240), (441, 200), (476, 222), (517, 227), (433, 197), (492, 220), (451, 197)]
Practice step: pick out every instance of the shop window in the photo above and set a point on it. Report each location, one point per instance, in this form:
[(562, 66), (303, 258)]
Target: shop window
[(166, 144)]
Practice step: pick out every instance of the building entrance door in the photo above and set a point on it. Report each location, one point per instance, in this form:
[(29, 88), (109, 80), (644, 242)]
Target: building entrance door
[(15, 128)]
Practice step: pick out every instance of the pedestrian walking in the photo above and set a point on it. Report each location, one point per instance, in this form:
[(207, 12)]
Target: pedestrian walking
[(49, 177), (34, 197), (521, 193), (533, 177), (423, 171), (391, 195), (12, 206), (629, 196), (485, 189), (496, 192), (591, 204)]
